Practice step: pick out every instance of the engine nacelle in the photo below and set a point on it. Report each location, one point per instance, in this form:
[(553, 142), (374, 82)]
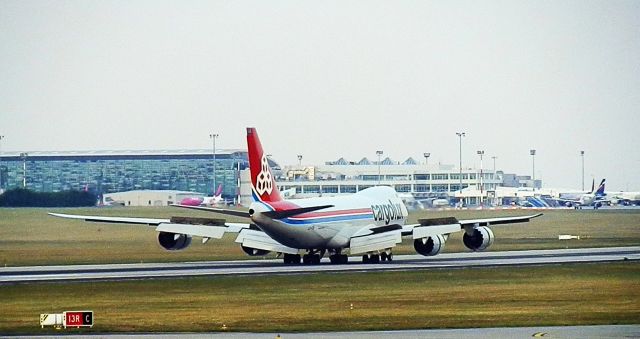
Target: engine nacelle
[(429, 246), (174, 241), (254, 252), (481, 239)]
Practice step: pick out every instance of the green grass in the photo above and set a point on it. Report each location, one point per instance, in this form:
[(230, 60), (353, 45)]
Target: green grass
[(579, 294), (30, 237)]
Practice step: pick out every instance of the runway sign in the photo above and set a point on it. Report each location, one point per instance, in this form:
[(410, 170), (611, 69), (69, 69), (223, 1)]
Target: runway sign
[(78, 319)]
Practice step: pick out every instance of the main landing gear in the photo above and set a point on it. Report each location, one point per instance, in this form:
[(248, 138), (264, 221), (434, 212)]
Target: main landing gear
[(311, 258), (292, 259), (336, 257), (377, 258), (339, 258)]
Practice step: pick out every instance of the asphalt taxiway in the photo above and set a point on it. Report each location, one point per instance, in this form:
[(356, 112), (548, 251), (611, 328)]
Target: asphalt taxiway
[(30, 274)]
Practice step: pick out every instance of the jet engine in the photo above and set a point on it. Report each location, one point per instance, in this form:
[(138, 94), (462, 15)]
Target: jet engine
[(429, 246), (174, 241), (481, 239), (254, 252)]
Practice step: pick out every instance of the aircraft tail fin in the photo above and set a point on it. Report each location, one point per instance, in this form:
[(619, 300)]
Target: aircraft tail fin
[(600, 191), (263, 183), (218, 191)]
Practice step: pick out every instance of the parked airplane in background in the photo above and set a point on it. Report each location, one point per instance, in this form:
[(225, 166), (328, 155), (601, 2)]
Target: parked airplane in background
[(368, 223), (593, 198), (216, 199), (625, 198)]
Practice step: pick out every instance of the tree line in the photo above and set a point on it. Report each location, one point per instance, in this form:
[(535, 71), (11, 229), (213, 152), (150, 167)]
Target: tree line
[(21, 197)]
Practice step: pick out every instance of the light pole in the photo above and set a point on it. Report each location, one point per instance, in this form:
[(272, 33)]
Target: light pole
[(213, 137), (24, 169), (426, 158), (379, 153), (582, 155), (460, 135), (533, 170), (481, 154), (299, 159)]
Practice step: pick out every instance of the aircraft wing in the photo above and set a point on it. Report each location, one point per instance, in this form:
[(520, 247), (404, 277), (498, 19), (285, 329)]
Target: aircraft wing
[(443, 226), (192, 227), (197, 227), (575, 201), (115, 220), (499, 220)]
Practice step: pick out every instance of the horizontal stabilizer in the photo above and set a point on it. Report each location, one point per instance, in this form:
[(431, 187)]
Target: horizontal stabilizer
[(292, 212), (237, 213)]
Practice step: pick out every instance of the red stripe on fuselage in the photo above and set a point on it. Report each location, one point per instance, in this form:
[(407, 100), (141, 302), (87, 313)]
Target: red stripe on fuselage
[(332, 213)]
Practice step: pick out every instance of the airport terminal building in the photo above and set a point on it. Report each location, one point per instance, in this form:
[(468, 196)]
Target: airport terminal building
[(117, 171), (104, 172)]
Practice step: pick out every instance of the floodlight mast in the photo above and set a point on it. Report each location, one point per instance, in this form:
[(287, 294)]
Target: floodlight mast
[(213, 137), (460, 135), (379, 153)]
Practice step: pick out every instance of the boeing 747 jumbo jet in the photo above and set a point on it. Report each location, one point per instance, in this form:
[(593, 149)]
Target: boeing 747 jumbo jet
[(368, 223)]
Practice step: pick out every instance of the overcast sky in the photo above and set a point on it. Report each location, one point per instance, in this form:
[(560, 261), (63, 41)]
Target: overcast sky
[(331, 79)]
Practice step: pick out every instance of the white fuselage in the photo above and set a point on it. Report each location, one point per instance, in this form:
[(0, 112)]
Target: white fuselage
[(332, 228)]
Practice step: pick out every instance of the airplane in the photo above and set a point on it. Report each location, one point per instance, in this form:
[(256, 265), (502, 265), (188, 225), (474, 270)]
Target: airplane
[(370, 223), (625, 198), (594, 198), (216, 199)]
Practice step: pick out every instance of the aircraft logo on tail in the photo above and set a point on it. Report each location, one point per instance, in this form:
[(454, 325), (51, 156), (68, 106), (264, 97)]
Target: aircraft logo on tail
[(264, 181)]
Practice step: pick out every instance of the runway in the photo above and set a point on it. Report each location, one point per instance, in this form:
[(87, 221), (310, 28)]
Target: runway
[(31, 274), (603, 331)]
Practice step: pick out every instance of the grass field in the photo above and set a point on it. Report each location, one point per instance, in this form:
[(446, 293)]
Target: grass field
[(31, 237), (526, 296)]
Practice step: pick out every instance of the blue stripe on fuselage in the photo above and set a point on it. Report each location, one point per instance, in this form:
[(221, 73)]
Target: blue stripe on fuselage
[(321, 220), (329, 219)]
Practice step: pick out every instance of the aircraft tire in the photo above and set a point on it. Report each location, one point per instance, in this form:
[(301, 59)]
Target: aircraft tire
[(365, 259), (292, 259), (343, 259), (374, 259), (333, 258)]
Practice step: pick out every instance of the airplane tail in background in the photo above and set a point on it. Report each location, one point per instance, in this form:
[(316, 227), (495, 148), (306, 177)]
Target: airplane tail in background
[(263, 183), (218, 192), (600, 191)]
